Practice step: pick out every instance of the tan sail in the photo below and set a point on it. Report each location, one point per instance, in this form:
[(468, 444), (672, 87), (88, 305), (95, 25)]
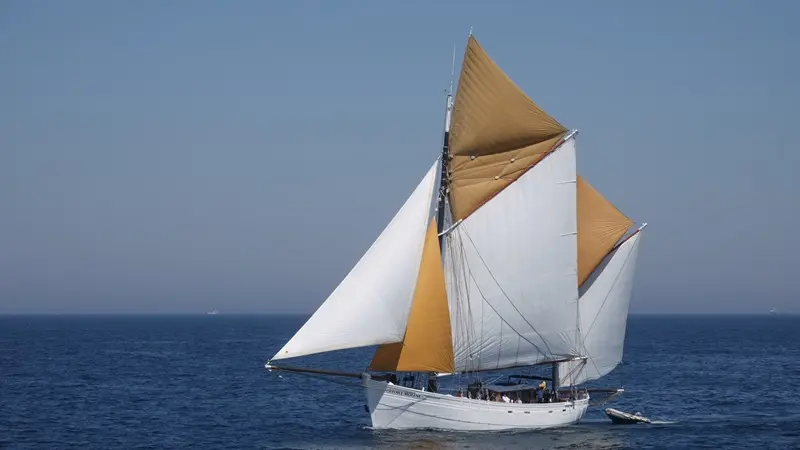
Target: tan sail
[(427, 345), (497, 133), (600, 226)]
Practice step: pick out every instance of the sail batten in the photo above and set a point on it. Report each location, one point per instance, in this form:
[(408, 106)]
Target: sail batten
[(372, 304)]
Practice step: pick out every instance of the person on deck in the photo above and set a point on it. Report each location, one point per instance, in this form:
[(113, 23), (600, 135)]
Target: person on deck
[(540, 391), (506, 399), (433, 383)]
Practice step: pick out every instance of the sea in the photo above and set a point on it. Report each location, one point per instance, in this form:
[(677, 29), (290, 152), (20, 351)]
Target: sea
[(198, 382)]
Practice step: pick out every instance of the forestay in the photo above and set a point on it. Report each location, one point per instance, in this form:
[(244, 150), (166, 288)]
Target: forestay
[(511, 270), (371, 305), (603, 311)]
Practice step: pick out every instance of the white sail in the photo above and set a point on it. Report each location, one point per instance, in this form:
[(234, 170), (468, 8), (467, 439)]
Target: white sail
[(603, 311), (371, 305), (525, 278), (511, 270)]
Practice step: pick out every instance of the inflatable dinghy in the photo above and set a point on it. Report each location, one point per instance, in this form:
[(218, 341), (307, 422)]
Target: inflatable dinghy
[(623, 418)]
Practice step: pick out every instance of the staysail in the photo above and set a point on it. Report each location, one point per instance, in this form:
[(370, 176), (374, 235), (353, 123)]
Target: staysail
[(427, 345), (603, 311), (372, 304)]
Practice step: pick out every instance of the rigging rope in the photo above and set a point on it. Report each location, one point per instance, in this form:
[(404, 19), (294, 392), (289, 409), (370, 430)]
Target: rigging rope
[(549, 353), (464, 319)]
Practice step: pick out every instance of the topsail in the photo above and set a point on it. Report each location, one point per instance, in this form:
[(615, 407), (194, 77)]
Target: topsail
[(498, 133)]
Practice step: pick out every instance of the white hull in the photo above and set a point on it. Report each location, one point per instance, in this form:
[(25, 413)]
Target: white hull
[(398, 407)]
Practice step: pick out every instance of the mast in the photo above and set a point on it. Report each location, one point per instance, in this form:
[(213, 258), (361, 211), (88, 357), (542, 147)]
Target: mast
[(443, 184), (445, 157)]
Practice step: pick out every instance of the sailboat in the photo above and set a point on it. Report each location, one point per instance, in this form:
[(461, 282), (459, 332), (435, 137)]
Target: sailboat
[(502, 258)]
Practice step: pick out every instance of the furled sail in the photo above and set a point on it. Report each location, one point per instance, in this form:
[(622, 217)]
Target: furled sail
[(603, 312), (511, 271), (371, 305), (600, 226), (497, 133), (427, 345)]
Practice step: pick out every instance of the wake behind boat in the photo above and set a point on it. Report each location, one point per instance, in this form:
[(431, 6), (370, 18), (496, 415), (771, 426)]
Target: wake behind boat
[(502, 258)]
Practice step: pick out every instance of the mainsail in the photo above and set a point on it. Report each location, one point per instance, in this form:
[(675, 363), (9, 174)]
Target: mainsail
[(530, 268), (512, 275), (371, 305)]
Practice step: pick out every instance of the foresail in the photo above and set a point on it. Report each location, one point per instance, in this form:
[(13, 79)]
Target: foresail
[(497, 133), (427, 345), (371, 305), (511, 271), (603, 308)]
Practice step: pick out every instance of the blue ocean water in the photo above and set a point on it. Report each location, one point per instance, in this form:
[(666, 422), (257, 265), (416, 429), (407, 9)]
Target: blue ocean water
[(99, 382)]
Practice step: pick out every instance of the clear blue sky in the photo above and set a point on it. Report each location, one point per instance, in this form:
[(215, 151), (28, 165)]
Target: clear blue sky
[(189, 155)]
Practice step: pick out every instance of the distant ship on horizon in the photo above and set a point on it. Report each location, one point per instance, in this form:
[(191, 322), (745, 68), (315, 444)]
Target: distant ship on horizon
[(773, 311), (213, 313)]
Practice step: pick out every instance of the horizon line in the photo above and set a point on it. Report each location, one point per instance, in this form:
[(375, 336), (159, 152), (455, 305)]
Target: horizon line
[(308, 314)]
